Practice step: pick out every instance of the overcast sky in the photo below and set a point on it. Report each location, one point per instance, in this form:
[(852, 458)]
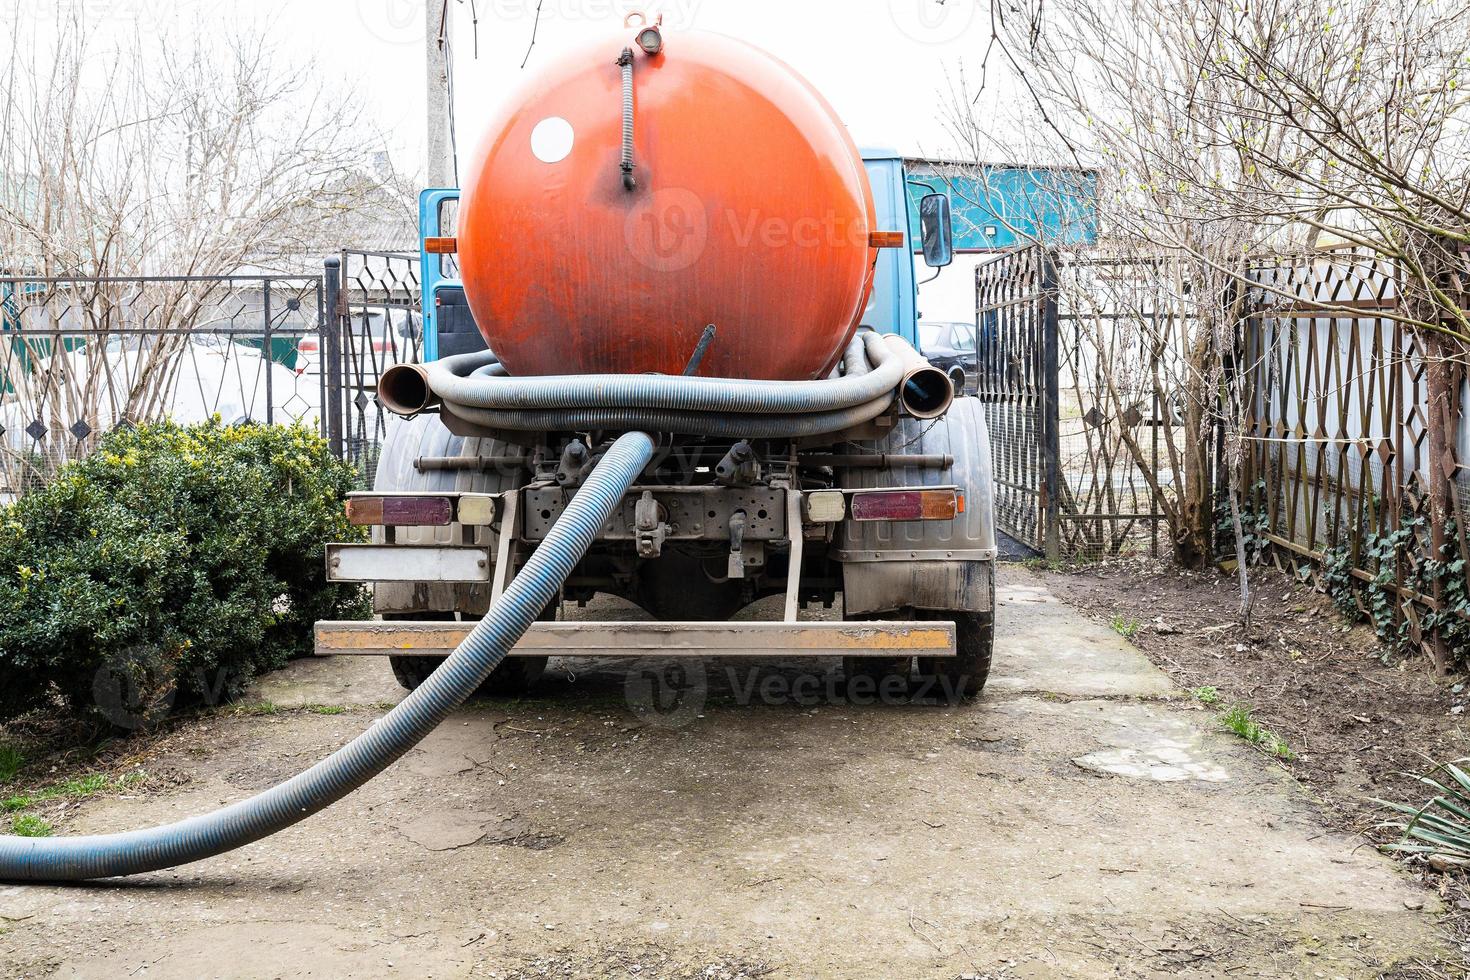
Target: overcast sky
[(884, 64)]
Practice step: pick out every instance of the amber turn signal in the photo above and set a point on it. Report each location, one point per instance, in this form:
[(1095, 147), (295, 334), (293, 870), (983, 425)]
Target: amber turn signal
[(907, 505)]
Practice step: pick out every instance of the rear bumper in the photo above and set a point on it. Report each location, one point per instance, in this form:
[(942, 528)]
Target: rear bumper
[(648, 639)]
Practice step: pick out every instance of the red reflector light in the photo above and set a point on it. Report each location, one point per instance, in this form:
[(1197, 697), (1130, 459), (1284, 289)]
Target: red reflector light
[(907, 505), (399, 511)]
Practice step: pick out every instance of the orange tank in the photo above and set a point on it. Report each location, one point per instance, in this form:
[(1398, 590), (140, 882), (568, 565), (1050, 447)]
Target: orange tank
[(750, 210)]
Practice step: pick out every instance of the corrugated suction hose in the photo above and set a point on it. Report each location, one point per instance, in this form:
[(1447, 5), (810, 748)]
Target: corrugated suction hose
[(539, 582), (876, 368)]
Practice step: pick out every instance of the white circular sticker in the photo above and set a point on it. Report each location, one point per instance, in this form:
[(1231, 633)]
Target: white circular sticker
[(551, 140)]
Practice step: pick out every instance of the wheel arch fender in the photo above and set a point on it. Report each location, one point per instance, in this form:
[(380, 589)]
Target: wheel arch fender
[(938, 565)]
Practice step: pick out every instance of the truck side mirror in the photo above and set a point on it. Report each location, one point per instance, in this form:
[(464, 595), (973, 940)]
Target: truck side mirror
[(935, 230)]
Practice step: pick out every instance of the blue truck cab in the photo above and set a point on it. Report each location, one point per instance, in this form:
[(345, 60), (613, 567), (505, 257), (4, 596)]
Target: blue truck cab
[(892, 306)]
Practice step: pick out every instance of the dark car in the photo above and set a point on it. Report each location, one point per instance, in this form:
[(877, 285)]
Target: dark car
[(950, 346)]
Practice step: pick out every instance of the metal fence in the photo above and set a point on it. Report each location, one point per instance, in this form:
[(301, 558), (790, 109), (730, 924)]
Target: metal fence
[(1122, 324), (374, 321), (1068, 362), (80, 356), (1339, 428), (1016, 382)]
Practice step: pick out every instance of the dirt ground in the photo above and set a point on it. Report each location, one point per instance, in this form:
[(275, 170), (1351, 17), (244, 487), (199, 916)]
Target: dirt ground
[(1358, 719), (1354, 717), (1083, 819)]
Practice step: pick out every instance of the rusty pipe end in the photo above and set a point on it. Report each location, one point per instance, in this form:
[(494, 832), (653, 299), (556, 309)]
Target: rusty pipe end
[(925, 391), (404, 389)]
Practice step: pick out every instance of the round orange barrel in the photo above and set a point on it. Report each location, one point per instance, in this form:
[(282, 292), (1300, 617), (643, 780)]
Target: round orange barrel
[(748, 209)]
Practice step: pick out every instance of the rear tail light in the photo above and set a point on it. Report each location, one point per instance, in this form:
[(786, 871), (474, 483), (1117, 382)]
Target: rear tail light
[(908, 505), (409, 511)]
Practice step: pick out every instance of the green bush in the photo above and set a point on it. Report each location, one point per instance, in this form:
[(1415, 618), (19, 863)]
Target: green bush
[(168, 567)]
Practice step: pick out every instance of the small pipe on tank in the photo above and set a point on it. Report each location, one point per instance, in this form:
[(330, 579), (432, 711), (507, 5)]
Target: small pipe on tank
[(625, 62), (925, 391)]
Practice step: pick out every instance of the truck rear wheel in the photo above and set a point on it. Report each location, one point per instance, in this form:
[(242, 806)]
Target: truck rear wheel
[(513, 678), (964, 674)]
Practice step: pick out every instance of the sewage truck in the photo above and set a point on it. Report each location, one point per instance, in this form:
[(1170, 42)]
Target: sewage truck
[(677, 235), (676, 365)]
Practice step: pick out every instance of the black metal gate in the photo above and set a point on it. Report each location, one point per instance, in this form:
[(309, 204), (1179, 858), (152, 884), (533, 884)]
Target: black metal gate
[(1076, 363), (1016, 355), (373, 322)]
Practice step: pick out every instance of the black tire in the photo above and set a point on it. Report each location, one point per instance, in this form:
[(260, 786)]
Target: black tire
[(513, 678), (963, 675), (413, 671)]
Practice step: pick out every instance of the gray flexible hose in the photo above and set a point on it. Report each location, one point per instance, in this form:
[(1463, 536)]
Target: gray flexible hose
[(875, 364), (716, 424), (625, 61), (539, 582)]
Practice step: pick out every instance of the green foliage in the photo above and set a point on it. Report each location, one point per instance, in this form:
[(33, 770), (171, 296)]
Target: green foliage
[(1442, 824), (1254, 526), (1125, 626), (12, 761), (1206, 695), (170, 566), (1404, 550), (1238, 719), (72, 789), (28, 825)]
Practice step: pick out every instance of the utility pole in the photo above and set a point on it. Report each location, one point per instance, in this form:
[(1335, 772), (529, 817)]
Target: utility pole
[(437, 169)]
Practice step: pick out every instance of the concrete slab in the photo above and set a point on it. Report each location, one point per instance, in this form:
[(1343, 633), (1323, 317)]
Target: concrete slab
[(1045, 646)]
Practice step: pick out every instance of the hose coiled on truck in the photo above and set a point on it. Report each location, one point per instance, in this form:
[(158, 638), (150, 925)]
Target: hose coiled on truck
[(488, 643), (876, 368)]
